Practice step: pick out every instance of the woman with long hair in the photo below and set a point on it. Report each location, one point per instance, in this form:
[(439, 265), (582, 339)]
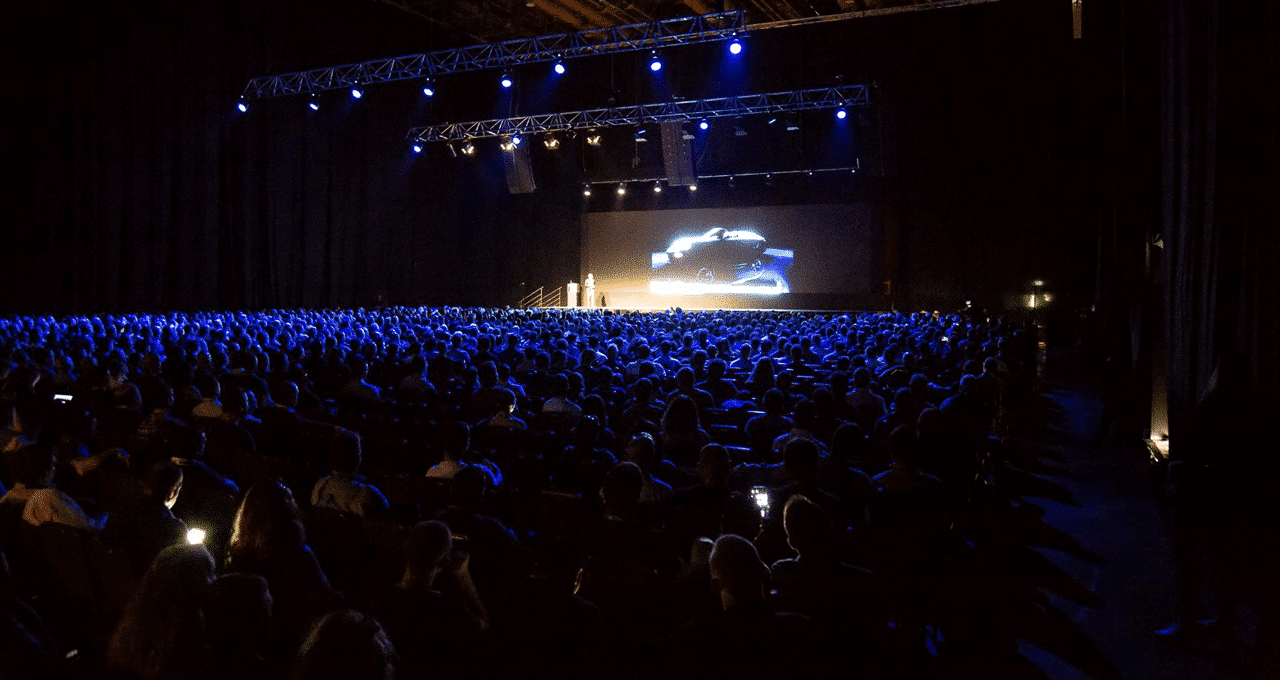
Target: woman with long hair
[(161, 634)]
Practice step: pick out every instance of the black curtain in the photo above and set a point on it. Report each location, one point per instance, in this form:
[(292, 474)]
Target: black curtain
[(1219, 110)]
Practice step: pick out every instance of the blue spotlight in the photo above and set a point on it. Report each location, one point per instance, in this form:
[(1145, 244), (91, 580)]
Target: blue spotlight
[(429, 88), (704, 124), (356, 93), (735, 47), (516, 139), (655, 64), (841, 113), (507, 81), (314, 102), (242, 106), (559, 68), (417, 148)]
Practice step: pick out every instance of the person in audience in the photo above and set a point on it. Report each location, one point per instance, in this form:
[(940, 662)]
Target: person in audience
[(268, 539), (144, 527), (805, 414), (237, 626), (343, 489), (748, 638), (434, 611), (682, 433), (866, 405), (642, 451), (720, 388), (161, 634), (33, 497), (358, 389), (208, 499), (764, 429), (209, 406), (504, 414), (558, 412), (345, 645)]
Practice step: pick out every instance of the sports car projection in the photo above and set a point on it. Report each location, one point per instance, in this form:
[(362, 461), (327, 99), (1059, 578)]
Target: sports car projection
[(721, 261)]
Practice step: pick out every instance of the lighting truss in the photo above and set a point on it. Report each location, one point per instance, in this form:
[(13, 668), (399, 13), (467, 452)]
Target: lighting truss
[(508, 54), (684, 110)]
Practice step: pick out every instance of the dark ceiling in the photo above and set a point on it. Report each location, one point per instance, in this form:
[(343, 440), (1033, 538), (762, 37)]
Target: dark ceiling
[(497, 20)]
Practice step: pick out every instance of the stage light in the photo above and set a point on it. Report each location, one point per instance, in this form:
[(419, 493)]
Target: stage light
[(593, 139), (468, 149), (735, 47), (242, 106), (792, 125), (693, 187), (195, 536), (313, 105), (507, 81), (732, 184), (559, 68), (704, 124), (768, 180), (841, 113), (586, 190), (685, 134), (657, 187), (417, 148), (356, 93), (622, 189), (772, 121), (551, 142), (429, 88), (640, 135), (516, 139), (655, 64)]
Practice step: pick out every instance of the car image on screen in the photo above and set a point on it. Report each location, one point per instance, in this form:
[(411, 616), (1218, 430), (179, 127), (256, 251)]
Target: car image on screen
[(721, 260)]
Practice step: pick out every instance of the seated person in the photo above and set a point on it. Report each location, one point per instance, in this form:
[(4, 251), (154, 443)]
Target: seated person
[(144, 527), (455, 442), (642, 450), (493, 545), (344, 490), (816, 583), (747, 638), (432, 618), (33, 497)]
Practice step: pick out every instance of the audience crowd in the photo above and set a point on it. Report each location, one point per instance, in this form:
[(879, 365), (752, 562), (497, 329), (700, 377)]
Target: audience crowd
[(406, 492)]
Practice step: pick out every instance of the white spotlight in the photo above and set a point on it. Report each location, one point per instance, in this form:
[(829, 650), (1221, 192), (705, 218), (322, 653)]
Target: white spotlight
[(657, 187), (622, 189), (195, 536)]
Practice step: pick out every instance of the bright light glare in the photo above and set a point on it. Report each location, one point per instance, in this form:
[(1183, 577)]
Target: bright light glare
[(429, 90), (516, 140), (314, 106), (735, 47), (586, 191), (559, 68), (507, 81), (242, 106), (657, 187), (655, 65), (841, 114), (195, 536), (356, 92), (622, 190), (417, 148), (693, 187), (704, 125)]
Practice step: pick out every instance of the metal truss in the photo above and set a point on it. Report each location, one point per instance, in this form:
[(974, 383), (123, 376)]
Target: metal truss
[(508, 54), (686, 110)]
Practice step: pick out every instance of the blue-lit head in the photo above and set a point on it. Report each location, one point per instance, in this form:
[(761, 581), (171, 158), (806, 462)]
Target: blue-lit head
[(841, 113), (241, 106), (507, 81), (735, 47), (655, 64), (559, 68), (704, 124), (356, 93), (417, 147)]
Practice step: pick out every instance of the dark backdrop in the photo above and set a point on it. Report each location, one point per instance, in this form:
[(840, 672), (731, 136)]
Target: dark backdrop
[(132, 184)]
